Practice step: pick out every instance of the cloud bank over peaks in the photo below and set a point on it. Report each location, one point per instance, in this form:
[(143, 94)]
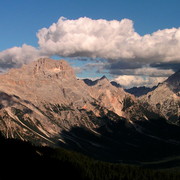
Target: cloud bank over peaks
[(113, 40)]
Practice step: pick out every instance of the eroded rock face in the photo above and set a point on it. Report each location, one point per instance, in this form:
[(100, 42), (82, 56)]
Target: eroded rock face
[(109, 96), (166, 98)]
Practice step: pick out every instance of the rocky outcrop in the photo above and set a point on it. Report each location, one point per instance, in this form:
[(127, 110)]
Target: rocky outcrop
[(166, 98), (110, 96)]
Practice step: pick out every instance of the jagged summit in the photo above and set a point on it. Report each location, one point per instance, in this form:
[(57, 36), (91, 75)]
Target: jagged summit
[(102, 81), (49, 64), (44, 68), (51, 68), (103, 77)]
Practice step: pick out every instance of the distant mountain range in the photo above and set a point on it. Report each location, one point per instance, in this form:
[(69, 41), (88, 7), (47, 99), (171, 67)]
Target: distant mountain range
[(90, 82), (136, 91), (140, 91), (43, 102)]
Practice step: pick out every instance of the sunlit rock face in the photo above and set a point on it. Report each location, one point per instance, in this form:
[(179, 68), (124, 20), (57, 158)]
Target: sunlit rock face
[(166, 98)]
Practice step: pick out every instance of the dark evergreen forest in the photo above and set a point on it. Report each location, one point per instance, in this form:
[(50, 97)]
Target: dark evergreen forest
[(22, 160)]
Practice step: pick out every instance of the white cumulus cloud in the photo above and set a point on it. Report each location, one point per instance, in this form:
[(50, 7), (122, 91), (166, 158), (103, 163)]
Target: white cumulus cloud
[(129, 81), (16, 56), (85, 37), (88, 38)]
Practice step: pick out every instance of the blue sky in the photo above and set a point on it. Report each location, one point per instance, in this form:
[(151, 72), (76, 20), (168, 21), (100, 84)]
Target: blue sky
[(21, 20)]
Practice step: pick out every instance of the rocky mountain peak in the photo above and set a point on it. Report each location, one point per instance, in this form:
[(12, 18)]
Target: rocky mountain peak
[(103, 81), (50, 68), (166, 98), (99, 82), (49, 64), (103, 77), (43, 68)]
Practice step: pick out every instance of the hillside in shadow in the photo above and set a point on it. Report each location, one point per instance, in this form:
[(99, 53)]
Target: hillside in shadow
[(123, 142)]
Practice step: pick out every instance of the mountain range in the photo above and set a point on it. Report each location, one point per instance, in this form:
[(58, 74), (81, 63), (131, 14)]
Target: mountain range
[(44, 103), (140, 91)]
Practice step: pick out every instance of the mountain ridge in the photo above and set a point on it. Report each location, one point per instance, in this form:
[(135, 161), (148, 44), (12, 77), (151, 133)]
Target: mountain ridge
[(166, 98), (140, 91)]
